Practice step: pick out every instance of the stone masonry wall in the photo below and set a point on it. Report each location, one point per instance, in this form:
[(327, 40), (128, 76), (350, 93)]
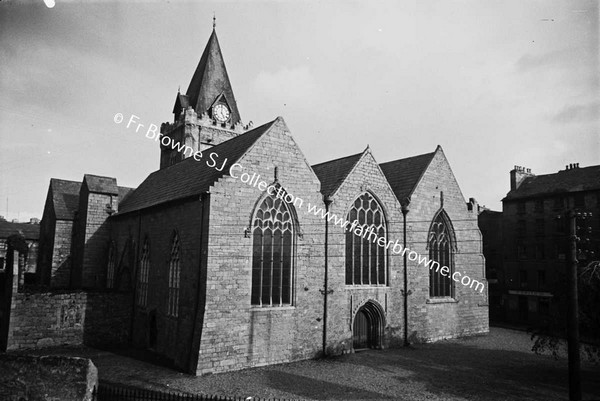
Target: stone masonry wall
[(173, 335), (46, 319), (96, 237), (34, 378), (434, 319), (345, 300), (61, 254), (235, 334)]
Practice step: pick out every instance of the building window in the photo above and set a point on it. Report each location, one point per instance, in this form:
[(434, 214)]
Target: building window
[(174, 278), (521, 228), (539, 251), (366, 262), (110, 269), (143, 275), (440, 251), (521, 251), (521, 207), (561, 225), (543, 306), (539, 205), (539, 228), (523, 278), (541, 278), (272, 254), (579, 201)]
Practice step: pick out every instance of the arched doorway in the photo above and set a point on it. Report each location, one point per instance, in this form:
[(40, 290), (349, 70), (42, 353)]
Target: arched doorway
[(367, 329)]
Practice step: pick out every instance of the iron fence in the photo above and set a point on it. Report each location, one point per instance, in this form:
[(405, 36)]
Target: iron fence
[(115, 392)]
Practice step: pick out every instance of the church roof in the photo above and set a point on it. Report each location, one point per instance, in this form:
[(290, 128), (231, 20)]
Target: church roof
[(571, 180), (211, 80), (65, 198), (65, 193), (333, 173), (190, 177), (181, 102), (101, 185), (404, 174), (29, 231)]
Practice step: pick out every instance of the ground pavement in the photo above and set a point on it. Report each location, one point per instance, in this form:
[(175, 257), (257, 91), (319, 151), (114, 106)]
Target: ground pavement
[(499, 366)]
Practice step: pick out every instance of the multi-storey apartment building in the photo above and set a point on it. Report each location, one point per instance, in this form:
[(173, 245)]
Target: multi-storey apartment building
[(535, 240)]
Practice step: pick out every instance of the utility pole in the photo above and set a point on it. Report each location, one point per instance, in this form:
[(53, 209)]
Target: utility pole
[(573, 311), (405, 209), (326, 291)]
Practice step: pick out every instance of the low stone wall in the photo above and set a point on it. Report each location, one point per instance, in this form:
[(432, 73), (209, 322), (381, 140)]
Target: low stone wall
[(45, 319), (30, 378)]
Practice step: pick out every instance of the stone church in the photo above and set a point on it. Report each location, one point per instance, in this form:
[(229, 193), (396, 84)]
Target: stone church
[(216, 274)]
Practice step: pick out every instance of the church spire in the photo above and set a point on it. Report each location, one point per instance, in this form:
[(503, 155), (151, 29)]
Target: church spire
[(210, 84)]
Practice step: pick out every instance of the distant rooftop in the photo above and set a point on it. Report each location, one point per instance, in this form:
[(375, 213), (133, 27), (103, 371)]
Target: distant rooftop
[(570, 180)]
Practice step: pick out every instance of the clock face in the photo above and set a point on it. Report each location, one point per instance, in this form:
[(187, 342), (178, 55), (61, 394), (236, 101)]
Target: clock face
[(220, 112)]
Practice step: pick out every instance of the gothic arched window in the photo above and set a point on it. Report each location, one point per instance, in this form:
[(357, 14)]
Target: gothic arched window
[(144, 273), (272, 254), (366, 262), (110, 269), (174, 278), (440, 250)]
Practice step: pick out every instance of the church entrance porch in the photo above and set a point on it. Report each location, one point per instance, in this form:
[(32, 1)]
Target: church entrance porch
[(367, 328)]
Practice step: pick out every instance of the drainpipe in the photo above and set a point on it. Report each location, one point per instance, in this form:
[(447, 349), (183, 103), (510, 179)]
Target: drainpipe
[(405, 209), (192, 362), (325, 291)]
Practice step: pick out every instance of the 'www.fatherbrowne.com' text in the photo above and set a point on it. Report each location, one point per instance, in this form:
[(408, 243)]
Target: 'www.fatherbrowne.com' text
[(363, 231)]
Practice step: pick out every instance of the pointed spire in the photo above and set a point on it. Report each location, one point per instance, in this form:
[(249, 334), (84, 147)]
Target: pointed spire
[(210, 81)]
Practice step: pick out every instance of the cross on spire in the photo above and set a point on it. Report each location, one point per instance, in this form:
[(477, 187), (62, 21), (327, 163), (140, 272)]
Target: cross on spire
[(214, 21)]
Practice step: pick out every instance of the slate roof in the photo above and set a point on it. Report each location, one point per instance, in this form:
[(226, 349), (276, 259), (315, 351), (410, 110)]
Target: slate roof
[(101, 185), (29, 231), (573, 180), (124, 192), (181, 102), (65, 193), (211, 80), (65, 198), (404, 174), (190, 177), (333, 173)]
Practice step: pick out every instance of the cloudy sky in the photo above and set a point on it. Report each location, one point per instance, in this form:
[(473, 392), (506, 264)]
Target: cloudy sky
[(495, 83)]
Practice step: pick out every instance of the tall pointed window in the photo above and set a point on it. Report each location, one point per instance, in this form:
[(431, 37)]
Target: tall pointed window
[(366, 262), (440, 250), (174, 278), (110, 269), (272, 254), (143, 275)]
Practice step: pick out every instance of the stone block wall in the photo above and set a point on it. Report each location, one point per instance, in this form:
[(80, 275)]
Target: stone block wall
[(95, 241), (44, 319), (153, 328), (236, 334), (34, 378), (435, 319), (345, 300), (60, 276)]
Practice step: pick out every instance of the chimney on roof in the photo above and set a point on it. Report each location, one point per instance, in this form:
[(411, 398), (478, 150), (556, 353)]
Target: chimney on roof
[(34, 220), (517, 175), (571, 166)]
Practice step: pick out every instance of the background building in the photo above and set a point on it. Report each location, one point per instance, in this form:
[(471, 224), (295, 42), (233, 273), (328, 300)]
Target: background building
[(30, 232), (534, 236)]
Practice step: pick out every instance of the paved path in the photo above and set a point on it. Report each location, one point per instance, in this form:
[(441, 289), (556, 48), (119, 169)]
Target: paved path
[(499, 366)]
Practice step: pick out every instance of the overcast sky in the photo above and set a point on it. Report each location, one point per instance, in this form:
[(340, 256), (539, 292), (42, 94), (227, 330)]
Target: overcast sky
[(495, 83)]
